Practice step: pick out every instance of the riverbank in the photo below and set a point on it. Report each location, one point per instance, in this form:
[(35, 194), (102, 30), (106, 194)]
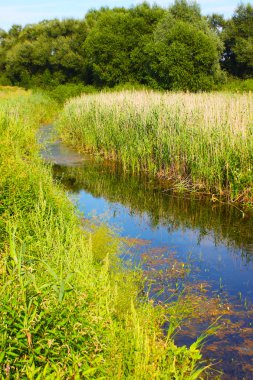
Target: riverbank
[(69, 309), (186, 245), (197, 142)]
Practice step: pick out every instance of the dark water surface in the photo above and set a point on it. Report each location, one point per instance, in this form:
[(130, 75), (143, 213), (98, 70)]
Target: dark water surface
[(181, 243)]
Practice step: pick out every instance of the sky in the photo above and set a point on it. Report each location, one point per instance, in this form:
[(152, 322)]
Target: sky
[(24, 12)]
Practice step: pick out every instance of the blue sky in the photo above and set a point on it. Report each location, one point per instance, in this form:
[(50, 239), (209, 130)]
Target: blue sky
[(31, 11)]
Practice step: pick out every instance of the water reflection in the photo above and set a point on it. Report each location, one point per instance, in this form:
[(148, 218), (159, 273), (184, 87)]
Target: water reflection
[(142, 195), (208, 245)]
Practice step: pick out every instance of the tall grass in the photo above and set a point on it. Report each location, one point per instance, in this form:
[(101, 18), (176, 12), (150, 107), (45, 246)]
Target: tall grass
[(11, 91), (199, 141), (69, 309)]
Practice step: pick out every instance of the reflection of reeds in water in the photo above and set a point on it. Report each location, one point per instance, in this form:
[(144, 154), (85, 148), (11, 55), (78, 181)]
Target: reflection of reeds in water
[(202, 141), (141, 194)]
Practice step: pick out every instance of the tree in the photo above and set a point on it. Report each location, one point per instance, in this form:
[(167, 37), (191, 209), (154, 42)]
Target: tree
[(184, 53), (150, 17), (114, 44), (216, 22), (238, 40), (44, 54)]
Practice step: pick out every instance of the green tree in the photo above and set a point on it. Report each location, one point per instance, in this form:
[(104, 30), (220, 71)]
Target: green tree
[(238, 40), (45, 54), (216, 22), (115, 43), (150, 16), (184, 53)]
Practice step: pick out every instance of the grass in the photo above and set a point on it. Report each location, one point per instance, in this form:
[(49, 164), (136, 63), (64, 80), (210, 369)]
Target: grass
[(197, 141), (11, 92), (69, 309), (64, 92)]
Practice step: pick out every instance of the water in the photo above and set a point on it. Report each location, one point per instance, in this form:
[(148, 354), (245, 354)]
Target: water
[(181, 242)]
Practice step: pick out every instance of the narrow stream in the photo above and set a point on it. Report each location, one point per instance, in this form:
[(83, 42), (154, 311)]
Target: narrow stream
[(184, 244)]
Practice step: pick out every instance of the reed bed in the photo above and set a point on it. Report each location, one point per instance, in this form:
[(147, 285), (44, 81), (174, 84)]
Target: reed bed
[(200, 142), (69, 309)]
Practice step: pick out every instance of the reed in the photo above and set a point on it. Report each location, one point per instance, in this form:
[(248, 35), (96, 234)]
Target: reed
[(69, 309), (200, 142)]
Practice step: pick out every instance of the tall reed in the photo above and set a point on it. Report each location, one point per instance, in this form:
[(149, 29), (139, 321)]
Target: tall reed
[(69, 309), (199, 141)]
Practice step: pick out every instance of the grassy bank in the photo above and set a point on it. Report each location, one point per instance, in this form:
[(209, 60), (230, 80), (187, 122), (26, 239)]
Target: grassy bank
[(198, 141), (69, 310)]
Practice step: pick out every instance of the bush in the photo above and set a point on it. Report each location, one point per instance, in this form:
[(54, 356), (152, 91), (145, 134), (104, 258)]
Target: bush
[(238, 85), (4, 80), (64, 92)]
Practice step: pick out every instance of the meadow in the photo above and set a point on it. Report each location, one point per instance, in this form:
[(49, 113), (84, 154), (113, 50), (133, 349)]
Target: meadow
[(199, 142), (69, 308)]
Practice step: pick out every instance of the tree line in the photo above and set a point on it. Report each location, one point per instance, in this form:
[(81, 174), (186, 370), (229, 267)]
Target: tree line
[(174, 49)]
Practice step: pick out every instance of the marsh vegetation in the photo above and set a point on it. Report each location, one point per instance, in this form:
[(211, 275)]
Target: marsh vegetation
[(68, 306), (192, 251), (201, 142)]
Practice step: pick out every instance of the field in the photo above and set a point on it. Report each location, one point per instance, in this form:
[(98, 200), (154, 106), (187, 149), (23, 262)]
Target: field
[(200, 142), (69, 309)]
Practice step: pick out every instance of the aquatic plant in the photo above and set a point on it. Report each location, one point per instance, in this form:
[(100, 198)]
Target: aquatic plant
[(197, 141)]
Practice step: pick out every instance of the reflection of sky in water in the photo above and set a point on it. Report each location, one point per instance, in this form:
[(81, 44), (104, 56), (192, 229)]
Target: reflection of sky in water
[(56, 152), (212, 259), (216, 262)]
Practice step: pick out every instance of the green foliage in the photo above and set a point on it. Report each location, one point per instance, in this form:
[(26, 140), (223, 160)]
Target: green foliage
[(184, 53), (4, 80), (216, 22), (237, 85), (64, 92), (108, 47), (114, 42), (203, 142), (188, 12), (45, 54), (69, 309), (238, 38), (173, 49)]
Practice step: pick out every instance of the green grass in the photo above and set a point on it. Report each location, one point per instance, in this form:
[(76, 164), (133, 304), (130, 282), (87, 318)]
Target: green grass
[(237, 85), (199, 142), (66, 91), (69, 309)]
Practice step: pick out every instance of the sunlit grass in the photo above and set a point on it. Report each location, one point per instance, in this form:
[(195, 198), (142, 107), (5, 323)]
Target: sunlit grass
[(11, 92), (69, 309), (200, 142)]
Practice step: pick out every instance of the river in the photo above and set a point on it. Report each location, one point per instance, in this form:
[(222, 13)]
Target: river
[(186, 245)]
